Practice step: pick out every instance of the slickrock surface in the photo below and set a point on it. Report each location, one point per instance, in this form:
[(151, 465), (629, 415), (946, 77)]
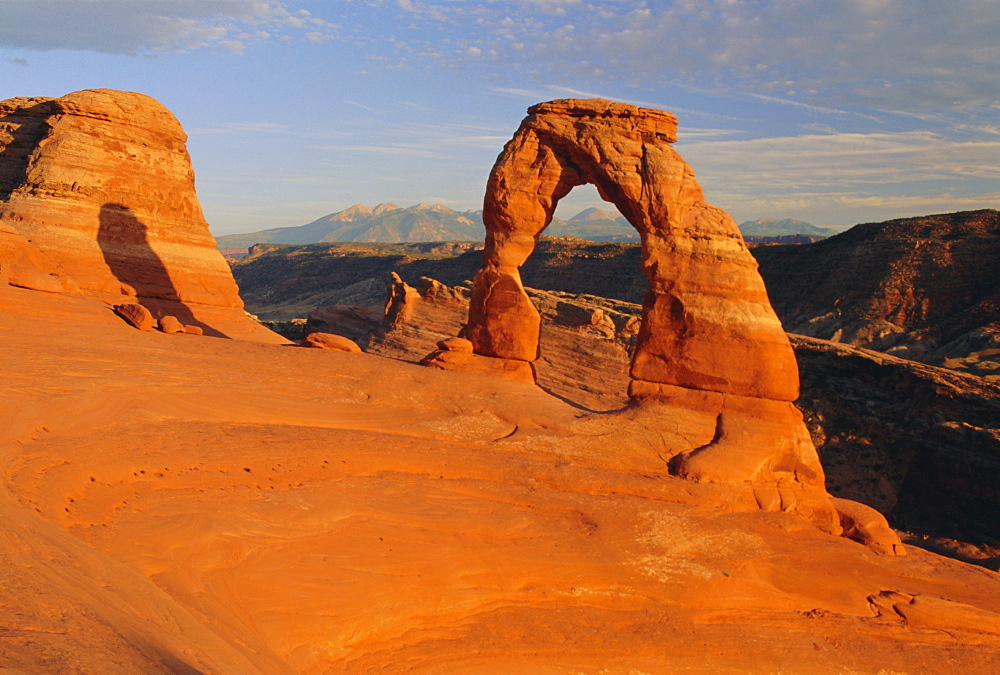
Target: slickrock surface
[(165, 506), (916, 442), (709, 340), (100, 183)]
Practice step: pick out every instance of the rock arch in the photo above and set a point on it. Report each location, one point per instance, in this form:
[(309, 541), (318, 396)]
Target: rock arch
[(707, 321), (710, 345)]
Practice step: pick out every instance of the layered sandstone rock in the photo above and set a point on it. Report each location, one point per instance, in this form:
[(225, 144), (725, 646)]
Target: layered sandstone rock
[(136, 315), (923, 288), (709, 340), (707, 321), (337, 343), (100, 185), (585, 341)]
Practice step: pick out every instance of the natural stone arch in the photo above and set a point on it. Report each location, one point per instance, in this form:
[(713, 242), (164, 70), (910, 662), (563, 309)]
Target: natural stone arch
[(707, 323), (710, 350)]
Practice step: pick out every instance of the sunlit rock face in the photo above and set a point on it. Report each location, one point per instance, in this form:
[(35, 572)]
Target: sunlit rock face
[(100, 184), (707, 321), (709, 341)]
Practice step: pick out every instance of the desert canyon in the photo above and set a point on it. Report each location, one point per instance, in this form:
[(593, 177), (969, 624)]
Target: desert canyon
[(207, 496)]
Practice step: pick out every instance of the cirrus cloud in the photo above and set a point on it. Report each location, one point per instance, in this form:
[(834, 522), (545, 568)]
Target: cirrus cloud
[(134, 27)]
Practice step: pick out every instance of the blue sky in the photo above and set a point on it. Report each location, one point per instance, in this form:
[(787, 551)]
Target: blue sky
[(834, 112)]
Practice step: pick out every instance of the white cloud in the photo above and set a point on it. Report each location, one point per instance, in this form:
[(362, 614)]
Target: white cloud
[(888, 54), (859, 176), (149, 26), (827, 159)]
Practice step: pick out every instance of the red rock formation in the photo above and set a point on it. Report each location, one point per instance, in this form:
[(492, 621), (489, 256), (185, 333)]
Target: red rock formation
[(180, 505), (337, 343), (136, 315), (709, 340), (923, 288), (169, 324), (704, 289), (100, 184)]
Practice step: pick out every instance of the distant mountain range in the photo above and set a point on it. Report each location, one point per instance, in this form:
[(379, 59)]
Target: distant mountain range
[(390, 223), (772, 227)]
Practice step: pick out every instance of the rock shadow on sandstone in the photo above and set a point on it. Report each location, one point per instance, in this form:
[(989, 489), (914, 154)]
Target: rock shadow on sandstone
[(125, 243)]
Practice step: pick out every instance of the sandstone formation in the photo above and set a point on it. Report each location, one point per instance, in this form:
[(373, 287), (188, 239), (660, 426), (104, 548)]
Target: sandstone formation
[(585, 341), (170, 325), (910, 440), (97, 189), (867, 526), (181, 505), (913, 441), (920, 288), (704, 290), (925, 288), (337, 343), (709, 340), (136, 315)]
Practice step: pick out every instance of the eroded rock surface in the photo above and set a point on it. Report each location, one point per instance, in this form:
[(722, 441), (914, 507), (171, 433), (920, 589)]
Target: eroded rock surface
[(337, 343), (97, 191), (704, 289), (709, 339), (154, 519), (922, 288)]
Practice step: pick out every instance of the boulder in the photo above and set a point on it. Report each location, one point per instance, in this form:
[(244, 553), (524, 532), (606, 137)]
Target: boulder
[(455, 344), (867, 526), (330, 341), (135, 314), (170, 324), (194, 330)]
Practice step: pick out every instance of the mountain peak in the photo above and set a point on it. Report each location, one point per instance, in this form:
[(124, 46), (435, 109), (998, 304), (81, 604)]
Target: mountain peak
[(771, 227), (385, 208), (594, 214), (352, 213), (437, 208)]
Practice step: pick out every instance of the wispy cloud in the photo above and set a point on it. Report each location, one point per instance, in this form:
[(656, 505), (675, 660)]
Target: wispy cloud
[(889, 54), (795, 162), (268, 128), (135, 27), (386, 149), (868, 175)]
